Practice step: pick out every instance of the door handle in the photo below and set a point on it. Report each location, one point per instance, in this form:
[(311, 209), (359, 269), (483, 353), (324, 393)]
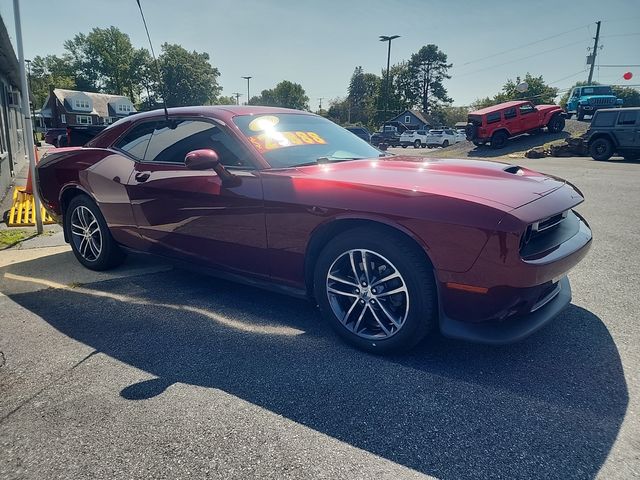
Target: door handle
[(142, 176)]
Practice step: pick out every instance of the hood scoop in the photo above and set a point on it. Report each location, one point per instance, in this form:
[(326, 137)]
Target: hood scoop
[(515, 169)]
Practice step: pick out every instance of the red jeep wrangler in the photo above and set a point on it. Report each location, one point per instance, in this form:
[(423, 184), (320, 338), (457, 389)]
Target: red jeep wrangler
[(497, 123)]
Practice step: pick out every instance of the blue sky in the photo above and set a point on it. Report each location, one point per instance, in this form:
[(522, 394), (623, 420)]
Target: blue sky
[(319, 43)]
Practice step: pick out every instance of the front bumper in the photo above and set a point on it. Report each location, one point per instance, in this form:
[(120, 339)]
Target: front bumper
[(512, 330)]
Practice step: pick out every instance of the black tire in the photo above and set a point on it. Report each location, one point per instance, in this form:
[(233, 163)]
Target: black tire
[(416, 144), (84, 247), (404, 146), (499, 140), (580, 114), (445, 144), (556, 124), (416, 274), (601, 149)]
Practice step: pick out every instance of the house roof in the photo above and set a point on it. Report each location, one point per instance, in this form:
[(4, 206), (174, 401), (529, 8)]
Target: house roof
[(8, 60), (101, 101), (416, 113)]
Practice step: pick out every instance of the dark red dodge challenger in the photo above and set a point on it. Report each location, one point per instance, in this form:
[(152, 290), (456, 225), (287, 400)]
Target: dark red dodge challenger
[(389, 247)]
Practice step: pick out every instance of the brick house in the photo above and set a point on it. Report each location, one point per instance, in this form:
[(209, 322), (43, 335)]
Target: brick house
[(72, 107)]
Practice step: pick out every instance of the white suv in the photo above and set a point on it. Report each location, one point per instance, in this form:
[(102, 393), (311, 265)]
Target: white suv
[(417, 138), (441, 138)]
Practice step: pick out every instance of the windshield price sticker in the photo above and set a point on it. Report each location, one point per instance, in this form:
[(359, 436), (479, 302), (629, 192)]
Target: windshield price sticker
[(274, 140)]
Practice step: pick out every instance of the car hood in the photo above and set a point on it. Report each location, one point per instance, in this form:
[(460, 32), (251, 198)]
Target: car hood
[(491, 183), (547, 108)]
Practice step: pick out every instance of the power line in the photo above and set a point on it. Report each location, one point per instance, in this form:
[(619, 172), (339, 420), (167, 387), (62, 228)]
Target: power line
[(526, 45), (519, 59)]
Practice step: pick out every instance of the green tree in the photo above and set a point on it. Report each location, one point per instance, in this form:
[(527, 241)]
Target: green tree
[(224, 100), (538, 92), (630, 96), (46, 71), (364, 90), (426, 71), (188, 77), (285, 94), (339, 111), (448, 115)]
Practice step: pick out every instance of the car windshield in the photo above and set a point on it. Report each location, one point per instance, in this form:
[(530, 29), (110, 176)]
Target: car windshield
[(289, 139), (597, 91)]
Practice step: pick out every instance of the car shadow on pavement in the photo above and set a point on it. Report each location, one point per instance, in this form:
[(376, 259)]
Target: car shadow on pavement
[(548, 407)]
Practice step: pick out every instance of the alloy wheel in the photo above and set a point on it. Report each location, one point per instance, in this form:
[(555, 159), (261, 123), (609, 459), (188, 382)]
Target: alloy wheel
[(367, 294), (85, 233)]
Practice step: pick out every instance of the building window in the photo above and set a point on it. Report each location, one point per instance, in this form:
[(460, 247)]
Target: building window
[(124, 108), (63, 118), (407, 119), (83, 119), (81, 104)]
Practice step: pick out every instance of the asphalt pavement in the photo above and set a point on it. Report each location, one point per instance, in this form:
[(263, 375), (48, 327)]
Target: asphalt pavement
[(151, 371)]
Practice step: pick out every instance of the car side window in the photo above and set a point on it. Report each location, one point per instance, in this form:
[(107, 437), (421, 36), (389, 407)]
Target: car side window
[(525, 109), (510, 112), (136, 140), (604, 119), (493, 117), (171, 142), (627, 118)]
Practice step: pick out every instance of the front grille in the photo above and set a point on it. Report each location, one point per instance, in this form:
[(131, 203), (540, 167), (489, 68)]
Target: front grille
[(601, 101)]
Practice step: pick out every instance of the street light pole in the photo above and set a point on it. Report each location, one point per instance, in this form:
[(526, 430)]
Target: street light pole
[(385, 38), (248, 96), (237, 95)]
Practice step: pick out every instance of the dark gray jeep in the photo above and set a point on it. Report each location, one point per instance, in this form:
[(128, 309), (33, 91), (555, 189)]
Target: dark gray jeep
[(614, 131)]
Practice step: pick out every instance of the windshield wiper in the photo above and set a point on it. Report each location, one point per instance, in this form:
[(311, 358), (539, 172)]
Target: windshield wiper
[(324, 160)]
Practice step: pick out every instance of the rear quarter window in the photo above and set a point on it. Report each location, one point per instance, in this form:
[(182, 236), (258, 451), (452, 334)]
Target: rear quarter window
[(604, 119), (510, 112), (628, 117), (493, 117)]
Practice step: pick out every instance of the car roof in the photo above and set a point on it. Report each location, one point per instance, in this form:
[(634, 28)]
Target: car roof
[(635, 109), (500, 106)]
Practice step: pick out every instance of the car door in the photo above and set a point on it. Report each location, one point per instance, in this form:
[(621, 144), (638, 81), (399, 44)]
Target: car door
[(191, 214), (627, 129), (528, 117)]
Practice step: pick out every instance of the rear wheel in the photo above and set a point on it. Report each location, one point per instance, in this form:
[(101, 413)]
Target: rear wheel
[(89, 236), (404, 146), (416, 144), (601, 149), (377, 290), (556, 124), (498, 140)]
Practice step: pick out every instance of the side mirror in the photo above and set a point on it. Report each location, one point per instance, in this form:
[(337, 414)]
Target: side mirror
[(204, 159), (208, 159)]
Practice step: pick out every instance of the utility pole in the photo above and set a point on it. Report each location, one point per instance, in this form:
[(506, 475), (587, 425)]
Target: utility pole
[(237, 94), (248, 96), (595, 52), (320, 99)]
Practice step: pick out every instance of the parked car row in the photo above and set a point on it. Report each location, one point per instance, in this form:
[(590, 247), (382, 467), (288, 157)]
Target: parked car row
[(431, 138)]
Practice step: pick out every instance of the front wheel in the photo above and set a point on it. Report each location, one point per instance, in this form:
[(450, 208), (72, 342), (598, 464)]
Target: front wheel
[(89, 235), (556, 124), (377, 290), (580, 114), (416, 144), (404, 146), (445, 144), (601, 149)]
